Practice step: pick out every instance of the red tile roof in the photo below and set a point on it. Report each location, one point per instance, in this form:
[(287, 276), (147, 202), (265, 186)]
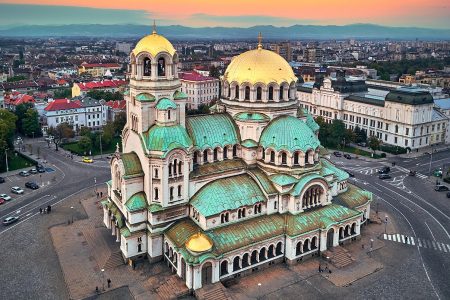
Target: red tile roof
[(101, 65), (195, 76), (16, 98), (117, 104), (86, 86), (62, 104)]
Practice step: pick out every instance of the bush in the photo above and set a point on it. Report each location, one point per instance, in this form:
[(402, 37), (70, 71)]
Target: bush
[(383, 155), (393, 149), (447, 179)]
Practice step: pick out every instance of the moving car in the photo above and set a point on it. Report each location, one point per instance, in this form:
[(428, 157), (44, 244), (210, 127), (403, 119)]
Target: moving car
[(337, 154), (10, 220), (24, 173), (32, 185), (384, 170), (384, 176), (2, 180), (362, 144), (347, 156), (6, 197), (2, 200), (437, 172), (16, 190), (440, 188), (87, 160), (33, 171)]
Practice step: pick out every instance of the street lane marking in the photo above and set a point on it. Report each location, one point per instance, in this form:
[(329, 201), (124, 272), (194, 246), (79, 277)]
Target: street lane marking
[(430, 230), (422, 243)]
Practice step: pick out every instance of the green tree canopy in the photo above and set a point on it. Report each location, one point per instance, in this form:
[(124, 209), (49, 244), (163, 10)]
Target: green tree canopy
[(374, 143), (20, 112), (85, 144), (30, 123), (107, 96), (62, 93), (120, 120)]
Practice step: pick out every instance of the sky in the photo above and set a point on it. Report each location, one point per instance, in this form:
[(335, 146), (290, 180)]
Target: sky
[(227, 13)]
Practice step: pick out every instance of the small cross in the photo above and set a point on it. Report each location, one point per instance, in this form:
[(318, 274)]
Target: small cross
[(259, 40)]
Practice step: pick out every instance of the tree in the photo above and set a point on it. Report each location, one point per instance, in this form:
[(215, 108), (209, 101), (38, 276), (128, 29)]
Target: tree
[(85, 144), (337, 132), (20, 112), (7, 130), (214, 72), (61, 132), (108, 134), (85, 131), (324, 132), (374, 143), (30, 123), (361, 135), (120, 119), (62, 93)]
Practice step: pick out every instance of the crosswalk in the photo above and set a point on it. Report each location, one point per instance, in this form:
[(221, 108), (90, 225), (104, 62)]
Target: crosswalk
[(372, 170), (420, 242), (402, 169)]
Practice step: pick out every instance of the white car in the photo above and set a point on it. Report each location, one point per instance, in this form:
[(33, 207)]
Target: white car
[(16, 190), (6, 197)]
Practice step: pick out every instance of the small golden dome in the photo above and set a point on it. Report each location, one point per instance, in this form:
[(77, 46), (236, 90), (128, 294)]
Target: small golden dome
[(259, 66), (199, 243), (154, 44)]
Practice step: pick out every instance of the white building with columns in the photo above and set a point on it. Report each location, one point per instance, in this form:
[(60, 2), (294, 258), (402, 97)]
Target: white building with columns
[(221, 195)]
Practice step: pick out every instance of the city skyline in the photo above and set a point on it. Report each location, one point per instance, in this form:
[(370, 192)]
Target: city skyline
[(432, 14)]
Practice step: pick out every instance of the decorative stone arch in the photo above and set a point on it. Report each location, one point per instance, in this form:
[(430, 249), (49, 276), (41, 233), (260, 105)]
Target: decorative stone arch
[(245, 260), (283, 92), (245, 90), (292, 90), (271, 251), (283, 158), (262, 254), (224, 267), (226, 90), (164, 63), (272, 89), (314, 193), (259, 91), (216, 153), (237, 263), (314, 243), (353, 228), (306, 245), (207, 272), (206, 153), (309, 156), (299, 248), (235, 90), (144, 64), (279, 248)]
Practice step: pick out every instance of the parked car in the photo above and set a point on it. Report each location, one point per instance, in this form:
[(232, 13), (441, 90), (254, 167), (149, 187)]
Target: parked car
[(384, 176), (440, 188), (16, 190), (24, 173), (6, 197), (362, 144), (2, 200), (86, 159), (337, 154), (33, 171), (347, 156), (32, 185), (384, 170), (10, 220), (40, 169), (2, 180)]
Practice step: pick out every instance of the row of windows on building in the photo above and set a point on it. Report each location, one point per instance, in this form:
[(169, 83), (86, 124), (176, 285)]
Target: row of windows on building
[(281, 95), (225, 216), (171, 193)]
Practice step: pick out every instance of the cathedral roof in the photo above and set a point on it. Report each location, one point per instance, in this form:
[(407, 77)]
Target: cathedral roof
[(288, 133), (251, 117), (131, 164), (340, 174), (283, 179), (227, 194), (198, 243), (210, 131), (136, 202), (165, 104), (166, 138), (259, 66), (154, 44), (145, 97), (263, 180), (354, 197), (298, 188)]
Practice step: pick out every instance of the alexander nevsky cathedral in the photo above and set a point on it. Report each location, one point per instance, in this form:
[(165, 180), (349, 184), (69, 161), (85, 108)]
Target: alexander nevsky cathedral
[(221, 195)]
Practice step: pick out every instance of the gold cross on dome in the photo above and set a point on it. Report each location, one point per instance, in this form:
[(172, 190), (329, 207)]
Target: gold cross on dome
[(259, 40)]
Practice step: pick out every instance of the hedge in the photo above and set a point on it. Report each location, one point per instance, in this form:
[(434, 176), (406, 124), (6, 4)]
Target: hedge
[(393, 149)]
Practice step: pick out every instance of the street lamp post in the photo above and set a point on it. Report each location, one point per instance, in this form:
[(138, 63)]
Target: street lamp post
[(6, 158), (71, 209), (385, 223), (103, 279), (431, 159)]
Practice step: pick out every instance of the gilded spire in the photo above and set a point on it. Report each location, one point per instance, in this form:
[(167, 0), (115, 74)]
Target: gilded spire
[(259, 40), (154, 27)]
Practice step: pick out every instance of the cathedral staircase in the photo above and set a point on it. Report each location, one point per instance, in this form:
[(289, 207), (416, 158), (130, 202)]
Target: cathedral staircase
[(172, 288), (214, 291), (339, 257), (114, 260)]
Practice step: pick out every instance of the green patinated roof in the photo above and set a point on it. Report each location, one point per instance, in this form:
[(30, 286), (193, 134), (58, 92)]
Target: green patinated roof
[(218, 167), (330, 168), (354, 197), (263, 180), (131, 164), (153, 208), (297, 189), (125, 232), (227, 194), (288, 133), (145, 97), (109, 182), (210, 131), (166, 138), (252, 117), (126, 93), (320, 218), (310, 121), (283, 179), (179, 95), (165, 104), (137, 202), (248, 143), (116, 212), (105, 203)]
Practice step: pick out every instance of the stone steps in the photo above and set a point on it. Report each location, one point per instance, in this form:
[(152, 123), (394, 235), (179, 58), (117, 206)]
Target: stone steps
[(340, 257), (99, 247), (212, 292), (173, 288), (115, 260)]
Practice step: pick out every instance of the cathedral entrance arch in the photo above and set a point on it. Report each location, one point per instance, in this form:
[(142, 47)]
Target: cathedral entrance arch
[(330, 238), (206, 274)]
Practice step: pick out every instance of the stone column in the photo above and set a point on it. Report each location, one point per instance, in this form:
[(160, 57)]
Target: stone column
[(117, 234), (323, 241)]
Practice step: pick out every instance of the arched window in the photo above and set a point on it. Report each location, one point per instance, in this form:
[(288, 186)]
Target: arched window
[(245, 260), (229, 91), (170, 169), (236, 92), (296, 158), (235, 151), (279, 250), (283, 158), (259, 93), (224, 268), (156, 194), (215, 152), (147, 67), (271, 93), (262, 254), (205, 156), (225, 152), (175, 162), (253, 258), (281, 93), (314, 243), (236, 263), (195, 158), (272, 156), (171, 193), (161, 66), (168, 114), (247, 93), (180, 167), (270, 251), (263, 154), (156, 173), (179, 191)]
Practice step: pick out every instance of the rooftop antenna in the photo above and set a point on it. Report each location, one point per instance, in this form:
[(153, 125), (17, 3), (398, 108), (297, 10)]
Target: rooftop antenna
[(259, 40), (154, 27)]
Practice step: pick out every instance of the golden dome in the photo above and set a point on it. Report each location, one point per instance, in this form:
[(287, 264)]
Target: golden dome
[(259, 66), (199, 243), (154, 44)]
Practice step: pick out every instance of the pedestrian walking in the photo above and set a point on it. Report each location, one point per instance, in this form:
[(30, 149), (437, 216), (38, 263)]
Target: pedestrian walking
[(101, 194), (40, 210), (97, 195), (109, 282)]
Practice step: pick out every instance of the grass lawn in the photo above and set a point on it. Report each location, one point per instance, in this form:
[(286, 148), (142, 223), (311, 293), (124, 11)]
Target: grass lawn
[(357, 151), (73, 147), (16, 162)]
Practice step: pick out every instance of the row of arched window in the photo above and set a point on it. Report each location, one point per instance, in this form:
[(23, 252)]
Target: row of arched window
[(171, 193), (241, 212), (218, 154), (347, 231), (175, 168), (306, 246), (259, 92), (281, 158)]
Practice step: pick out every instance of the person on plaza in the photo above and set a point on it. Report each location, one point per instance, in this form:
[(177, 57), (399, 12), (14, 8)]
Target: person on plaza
[(40, 210), (97, 195), (101, 194), (109, 282)]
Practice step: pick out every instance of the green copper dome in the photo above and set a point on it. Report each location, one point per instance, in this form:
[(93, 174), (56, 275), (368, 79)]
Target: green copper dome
[(145, 97), (165, 104), (251, 117), (166, 138), (288, 133)]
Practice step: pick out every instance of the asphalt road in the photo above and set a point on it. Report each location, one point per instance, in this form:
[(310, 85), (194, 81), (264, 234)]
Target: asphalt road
[(423, 214), (70, 177)]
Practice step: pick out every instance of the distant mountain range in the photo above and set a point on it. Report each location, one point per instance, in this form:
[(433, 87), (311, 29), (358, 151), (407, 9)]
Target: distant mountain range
[(295, 32)]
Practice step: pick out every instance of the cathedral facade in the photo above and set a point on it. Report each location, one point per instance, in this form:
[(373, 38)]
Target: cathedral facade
[(220, 195)]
